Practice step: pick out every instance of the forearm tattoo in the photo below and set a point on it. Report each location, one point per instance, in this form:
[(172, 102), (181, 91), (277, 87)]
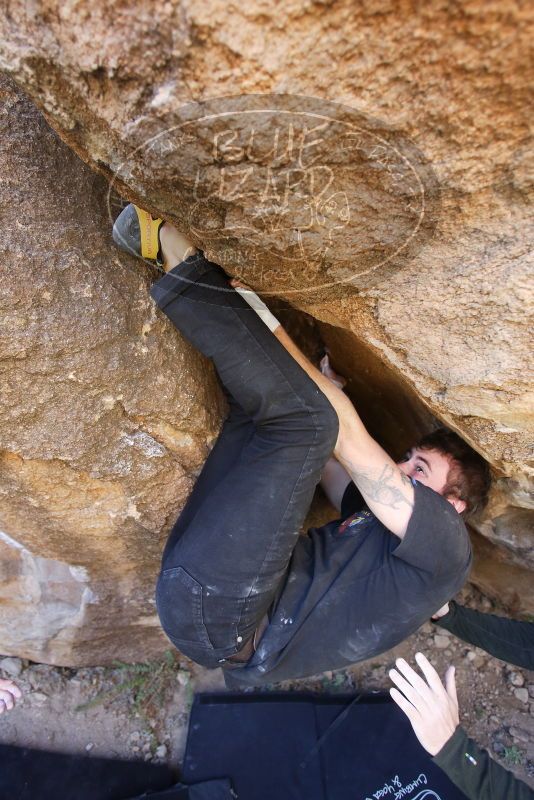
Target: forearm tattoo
[(381, 489)]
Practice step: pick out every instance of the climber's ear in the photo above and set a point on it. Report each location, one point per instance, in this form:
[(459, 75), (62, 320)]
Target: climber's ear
[(459, 505)]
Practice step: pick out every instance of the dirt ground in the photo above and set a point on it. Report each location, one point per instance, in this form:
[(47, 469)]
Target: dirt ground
[(142, 711)]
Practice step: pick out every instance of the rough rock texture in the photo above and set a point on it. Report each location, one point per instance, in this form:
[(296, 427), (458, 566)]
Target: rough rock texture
[(106, 413), (383, 189)]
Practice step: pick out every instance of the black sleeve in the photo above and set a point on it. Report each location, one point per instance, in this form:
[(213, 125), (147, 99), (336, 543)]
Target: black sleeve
[(436, 541), (509, 639), (476, 774), (351, 501)]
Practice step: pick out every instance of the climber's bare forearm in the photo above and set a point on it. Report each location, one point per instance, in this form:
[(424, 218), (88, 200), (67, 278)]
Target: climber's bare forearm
[(385, 488)]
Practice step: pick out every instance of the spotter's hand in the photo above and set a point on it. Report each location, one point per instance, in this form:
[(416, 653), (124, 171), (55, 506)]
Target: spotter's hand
[(431, 707), (9, 693), (441, 611)]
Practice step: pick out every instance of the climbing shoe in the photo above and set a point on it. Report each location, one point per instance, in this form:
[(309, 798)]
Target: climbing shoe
[(137, 232)]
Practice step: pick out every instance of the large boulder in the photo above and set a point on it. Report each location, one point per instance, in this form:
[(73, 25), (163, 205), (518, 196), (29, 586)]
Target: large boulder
[(367, 165), (107, 413)]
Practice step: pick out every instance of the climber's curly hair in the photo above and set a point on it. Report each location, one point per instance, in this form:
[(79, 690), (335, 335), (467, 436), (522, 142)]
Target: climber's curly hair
[(469, 477)]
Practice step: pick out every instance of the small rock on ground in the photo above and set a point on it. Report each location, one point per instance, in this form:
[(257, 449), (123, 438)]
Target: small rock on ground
[(11, 666), (521, 694)]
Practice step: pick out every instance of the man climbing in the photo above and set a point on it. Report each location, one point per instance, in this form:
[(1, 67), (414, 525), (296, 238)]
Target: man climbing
[(238, 587)]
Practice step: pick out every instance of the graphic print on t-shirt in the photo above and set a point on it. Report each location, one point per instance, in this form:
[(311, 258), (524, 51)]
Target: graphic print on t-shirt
[(353, 520)]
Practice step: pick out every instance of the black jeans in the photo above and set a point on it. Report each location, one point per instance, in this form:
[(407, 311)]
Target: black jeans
[(231, 545)]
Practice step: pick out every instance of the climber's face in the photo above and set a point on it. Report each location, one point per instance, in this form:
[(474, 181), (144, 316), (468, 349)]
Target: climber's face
[(431, 468), (427, 466)]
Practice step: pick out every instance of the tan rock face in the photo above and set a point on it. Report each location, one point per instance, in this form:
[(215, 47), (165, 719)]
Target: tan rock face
[(106, 414), (393, 160)]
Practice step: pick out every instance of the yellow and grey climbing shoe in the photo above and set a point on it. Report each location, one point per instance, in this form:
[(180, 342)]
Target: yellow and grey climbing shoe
[(137, 232)]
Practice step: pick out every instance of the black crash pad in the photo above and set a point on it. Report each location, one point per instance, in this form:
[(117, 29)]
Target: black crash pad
[(307, 747), (28, 774)]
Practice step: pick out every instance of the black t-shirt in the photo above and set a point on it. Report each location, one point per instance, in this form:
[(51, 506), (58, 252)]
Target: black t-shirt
[(353, 589)]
